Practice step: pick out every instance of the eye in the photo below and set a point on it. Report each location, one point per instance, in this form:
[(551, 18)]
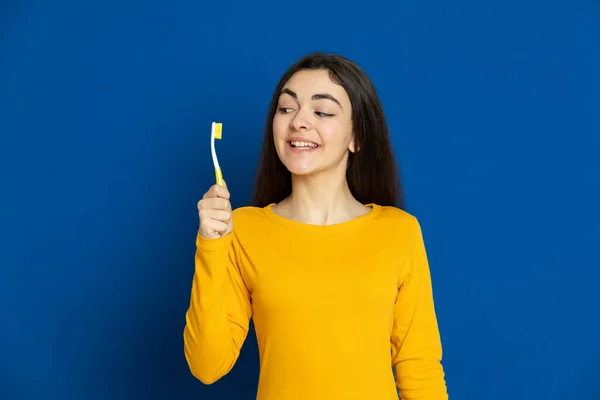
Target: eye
[(285, 110), (322, 114)]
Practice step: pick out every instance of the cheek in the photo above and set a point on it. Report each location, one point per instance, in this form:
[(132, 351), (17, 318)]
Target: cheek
[(336, 135), (279, 127)]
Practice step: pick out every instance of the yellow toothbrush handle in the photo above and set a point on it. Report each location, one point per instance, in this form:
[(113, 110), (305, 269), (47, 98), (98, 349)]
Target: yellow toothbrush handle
[(219, 176)]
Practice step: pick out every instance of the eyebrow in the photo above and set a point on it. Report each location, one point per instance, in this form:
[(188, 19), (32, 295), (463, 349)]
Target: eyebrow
[(318, 96)]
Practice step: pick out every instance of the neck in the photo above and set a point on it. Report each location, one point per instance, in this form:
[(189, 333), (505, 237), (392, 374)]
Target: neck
[(320, 200)]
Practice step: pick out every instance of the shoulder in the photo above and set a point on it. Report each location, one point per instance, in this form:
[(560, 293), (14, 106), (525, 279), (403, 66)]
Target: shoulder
[(251, 223), (248, 213), (251, 217), (397, 217), (398, 225)]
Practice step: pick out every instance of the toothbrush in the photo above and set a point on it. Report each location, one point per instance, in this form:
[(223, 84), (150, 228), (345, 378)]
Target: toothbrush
[(216, 133)]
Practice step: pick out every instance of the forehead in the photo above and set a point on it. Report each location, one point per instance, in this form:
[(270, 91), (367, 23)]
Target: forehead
[(306, 83)]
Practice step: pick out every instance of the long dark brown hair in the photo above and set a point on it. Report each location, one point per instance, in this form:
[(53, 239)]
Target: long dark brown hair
[(372, 173)]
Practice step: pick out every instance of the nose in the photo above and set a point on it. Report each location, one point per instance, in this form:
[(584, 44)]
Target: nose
[(300, 122)]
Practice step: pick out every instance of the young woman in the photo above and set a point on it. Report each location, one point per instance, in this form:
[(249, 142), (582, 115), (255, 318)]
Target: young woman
[(329, 266)]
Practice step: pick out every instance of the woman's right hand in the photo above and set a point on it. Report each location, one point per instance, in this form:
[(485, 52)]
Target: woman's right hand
[(214, 211)]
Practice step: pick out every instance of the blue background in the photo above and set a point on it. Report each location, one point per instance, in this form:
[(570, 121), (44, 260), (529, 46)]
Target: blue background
[(105, 114)]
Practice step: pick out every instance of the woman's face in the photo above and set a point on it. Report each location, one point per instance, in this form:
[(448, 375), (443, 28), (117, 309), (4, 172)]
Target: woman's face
[(312, 127)]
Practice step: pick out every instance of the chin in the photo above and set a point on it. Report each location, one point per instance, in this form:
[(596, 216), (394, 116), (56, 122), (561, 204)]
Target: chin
[(301, 166), (300, 170)]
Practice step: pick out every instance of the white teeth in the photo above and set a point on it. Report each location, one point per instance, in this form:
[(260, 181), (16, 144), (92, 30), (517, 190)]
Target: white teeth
[(303, 145)]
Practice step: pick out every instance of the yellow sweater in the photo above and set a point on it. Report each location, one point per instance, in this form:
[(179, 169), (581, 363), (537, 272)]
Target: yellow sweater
[(334, 307)]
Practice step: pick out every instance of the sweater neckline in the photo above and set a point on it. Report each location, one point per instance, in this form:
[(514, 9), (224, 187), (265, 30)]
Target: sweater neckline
[(302, 226)]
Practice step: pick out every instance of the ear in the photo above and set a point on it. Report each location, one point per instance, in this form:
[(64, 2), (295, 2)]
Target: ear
[(352, 146)]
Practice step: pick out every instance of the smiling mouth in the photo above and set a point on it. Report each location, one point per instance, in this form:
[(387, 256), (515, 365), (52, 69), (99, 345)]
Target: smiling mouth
[(296, 145)]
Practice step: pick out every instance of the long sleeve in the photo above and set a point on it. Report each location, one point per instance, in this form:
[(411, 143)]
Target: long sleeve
[(218, 317), (416, 344)]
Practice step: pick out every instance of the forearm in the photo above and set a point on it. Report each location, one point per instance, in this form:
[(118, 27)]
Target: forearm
[(215, 321), (416, 343), (421, 379)]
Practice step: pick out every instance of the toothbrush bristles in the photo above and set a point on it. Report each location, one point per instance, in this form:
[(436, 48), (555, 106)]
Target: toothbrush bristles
[(218, 131)]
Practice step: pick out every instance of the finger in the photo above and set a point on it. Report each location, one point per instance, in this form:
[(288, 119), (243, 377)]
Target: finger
[(210, 193), (217, 191), (214, 203), (218, 215), (211, 234), (211, 226), (222, 191)]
